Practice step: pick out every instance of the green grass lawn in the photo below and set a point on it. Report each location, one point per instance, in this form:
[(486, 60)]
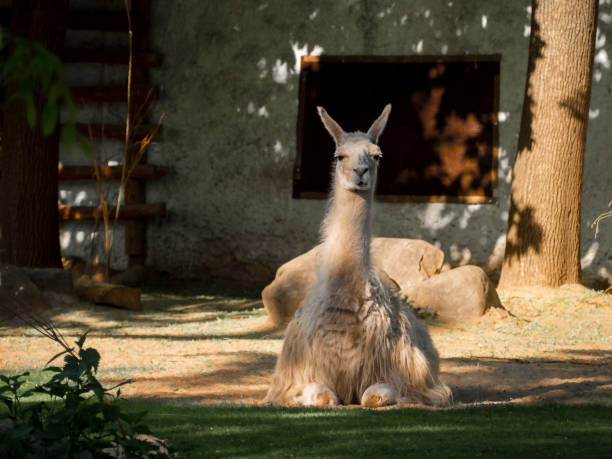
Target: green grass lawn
[(495, 431), (513, 431)]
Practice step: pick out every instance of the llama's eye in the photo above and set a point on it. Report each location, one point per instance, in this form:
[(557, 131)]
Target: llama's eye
[(378, 157), (338, 157)]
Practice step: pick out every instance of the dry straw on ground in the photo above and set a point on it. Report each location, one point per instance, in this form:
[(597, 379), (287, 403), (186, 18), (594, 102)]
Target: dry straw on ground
[(550, 344)]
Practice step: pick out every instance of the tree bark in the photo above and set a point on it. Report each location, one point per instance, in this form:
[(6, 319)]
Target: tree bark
[(29, 220), (543, 239)]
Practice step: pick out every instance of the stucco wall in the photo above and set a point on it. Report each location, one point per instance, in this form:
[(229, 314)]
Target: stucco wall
[(230, 98)]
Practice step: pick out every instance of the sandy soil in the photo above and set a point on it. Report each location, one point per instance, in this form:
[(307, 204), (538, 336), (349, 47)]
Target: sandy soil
[(548, 344)]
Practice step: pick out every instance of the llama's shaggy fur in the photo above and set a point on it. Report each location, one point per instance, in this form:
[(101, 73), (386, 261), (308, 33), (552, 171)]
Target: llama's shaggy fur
[(351, 341)]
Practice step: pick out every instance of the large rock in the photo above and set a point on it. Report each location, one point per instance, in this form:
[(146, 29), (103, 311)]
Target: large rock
[(56, 280), (401, 262), (287, 291), (18, 293), (407, 261), (455, 295), (54, 283)]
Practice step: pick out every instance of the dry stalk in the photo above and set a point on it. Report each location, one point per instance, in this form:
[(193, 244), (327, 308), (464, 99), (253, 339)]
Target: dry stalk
[(128, 133), (23, 312), (105, 217), (601, 217), (100, 182), (98, 177), (131, 156)]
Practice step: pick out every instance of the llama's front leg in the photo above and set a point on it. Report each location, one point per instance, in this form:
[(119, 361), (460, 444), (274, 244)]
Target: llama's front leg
[(315, 394), (378, 395)]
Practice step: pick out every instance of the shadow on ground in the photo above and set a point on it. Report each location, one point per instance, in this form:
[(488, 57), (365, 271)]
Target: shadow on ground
[(204, 345)]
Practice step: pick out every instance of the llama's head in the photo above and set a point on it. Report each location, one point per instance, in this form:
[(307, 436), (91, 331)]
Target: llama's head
[(357, 154)]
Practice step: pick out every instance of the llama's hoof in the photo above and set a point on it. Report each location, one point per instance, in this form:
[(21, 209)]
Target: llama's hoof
[(318, 395), (378, 395)]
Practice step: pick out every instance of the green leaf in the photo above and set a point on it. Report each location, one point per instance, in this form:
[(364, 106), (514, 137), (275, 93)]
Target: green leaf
[(55, 357), (54, 369), (7, 401), (91, 356), (49, 118), (68, 135), (55, 92), (82, 339), (98, 392), (30, 109), (85, 145), (21, 432)]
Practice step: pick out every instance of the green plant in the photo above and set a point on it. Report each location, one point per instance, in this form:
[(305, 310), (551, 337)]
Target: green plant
[(34, 72), (80, 419)]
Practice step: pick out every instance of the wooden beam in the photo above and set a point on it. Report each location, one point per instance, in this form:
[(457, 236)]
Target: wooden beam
[(113, 294), (126, 212), (80, 20), (111, 56), (140, 172), (105, 131), (109, 94), (108, 22)]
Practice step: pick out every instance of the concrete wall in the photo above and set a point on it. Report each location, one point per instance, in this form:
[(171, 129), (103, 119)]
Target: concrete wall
[(230, 98)]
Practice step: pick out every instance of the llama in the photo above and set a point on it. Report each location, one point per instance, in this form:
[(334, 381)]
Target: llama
[(351, 341)]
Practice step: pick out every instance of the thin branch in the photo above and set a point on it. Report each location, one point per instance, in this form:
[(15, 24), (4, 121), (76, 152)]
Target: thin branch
[(601, 217)]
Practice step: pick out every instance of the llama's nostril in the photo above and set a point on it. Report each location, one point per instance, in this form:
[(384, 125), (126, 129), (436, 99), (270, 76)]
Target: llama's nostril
[(360, 170)]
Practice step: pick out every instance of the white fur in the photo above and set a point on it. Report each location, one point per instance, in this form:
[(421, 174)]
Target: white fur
[(351, 341)]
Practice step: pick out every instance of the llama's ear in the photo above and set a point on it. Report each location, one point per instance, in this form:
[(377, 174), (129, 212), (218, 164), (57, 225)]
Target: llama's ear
[(332, 127), (379, 125)]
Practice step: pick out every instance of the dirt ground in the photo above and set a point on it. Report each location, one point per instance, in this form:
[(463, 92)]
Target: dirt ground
[(203, 347)]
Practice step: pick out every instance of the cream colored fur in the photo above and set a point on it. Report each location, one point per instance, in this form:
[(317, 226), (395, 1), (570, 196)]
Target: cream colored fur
[(351, 341)]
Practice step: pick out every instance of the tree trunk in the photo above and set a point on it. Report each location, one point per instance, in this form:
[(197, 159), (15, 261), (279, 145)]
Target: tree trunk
[(543, 239), (29, 220)]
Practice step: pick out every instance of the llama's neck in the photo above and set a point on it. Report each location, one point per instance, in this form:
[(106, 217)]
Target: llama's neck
[(345, 262)]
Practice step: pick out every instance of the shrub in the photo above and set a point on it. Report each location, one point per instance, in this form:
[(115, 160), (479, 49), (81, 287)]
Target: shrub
[(82, 418)]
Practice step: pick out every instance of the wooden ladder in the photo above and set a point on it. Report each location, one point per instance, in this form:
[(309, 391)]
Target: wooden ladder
[(135, 211)]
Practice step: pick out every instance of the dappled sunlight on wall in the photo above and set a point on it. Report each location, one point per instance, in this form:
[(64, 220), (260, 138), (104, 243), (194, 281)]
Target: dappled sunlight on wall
[(230, 82)]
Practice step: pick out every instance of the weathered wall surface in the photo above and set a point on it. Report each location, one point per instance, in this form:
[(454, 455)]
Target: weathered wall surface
[(230, 96)]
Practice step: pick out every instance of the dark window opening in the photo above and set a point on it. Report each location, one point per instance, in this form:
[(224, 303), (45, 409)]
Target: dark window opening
[(440, 143)]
